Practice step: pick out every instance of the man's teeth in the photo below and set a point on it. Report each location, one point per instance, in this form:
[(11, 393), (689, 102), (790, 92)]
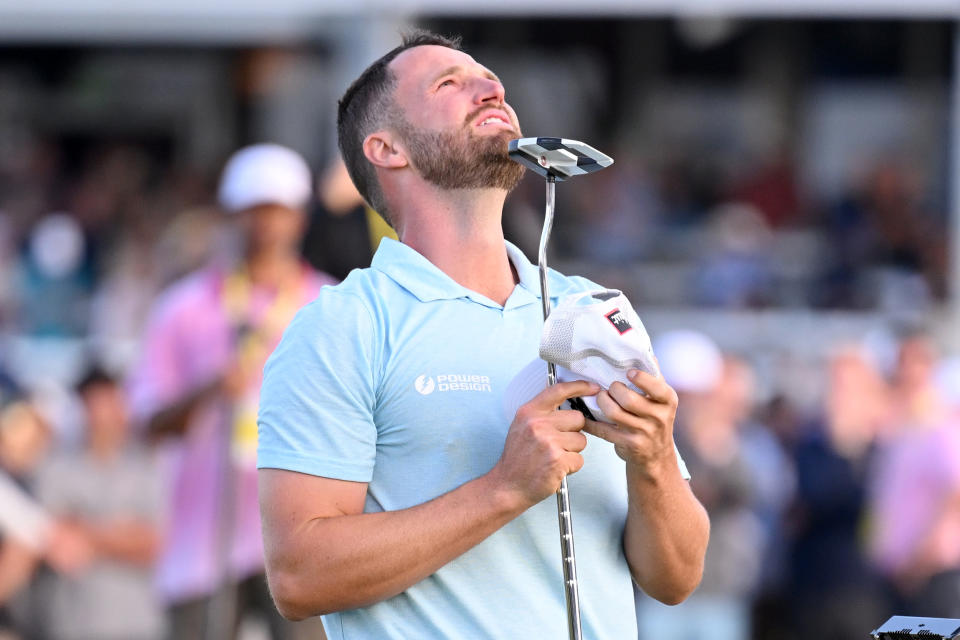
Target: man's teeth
[(492, 119)]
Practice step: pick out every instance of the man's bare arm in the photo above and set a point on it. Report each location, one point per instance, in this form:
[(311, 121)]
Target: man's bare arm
[(132, 541), (665, 538), (323, 554), (172, 420)]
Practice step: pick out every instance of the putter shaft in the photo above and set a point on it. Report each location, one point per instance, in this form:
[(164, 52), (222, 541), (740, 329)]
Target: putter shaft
[(571, 592)]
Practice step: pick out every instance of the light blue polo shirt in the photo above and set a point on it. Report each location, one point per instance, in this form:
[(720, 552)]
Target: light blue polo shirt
[(396, 378)]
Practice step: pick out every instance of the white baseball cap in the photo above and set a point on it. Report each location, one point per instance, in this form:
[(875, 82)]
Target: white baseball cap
[(265, 174), (691, 362), (595, 336)]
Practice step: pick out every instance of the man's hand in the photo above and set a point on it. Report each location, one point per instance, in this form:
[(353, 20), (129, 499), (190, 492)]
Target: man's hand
[(643, 433), (69, 549), (544, 443)]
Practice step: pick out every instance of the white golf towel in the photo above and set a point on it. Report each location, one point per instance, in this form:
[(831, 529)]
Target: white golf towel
[(595, 336)]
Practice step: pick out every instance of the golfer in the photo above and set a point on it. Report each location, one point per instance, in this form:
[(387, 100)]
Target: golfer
[(398, 498)]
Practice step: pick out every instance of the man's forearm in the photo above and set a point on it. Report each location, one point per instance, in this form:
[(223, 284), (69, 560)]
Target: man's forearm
[(665, 539), (343, 562), (173, 419), (134, 542)]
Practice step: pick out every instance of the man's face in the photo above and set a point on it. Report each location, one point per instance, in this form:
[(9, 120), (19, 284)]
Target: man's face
[(106, 410), (273, 228), (455, 122)]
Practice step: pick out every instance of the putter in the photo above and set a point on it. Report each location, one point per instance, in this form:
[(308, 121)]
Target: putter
[(557, 159)]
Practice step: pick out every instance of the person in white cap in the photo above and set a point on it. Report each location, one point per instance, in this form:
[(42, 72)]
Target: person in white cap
[(196, 387), (399, 498)]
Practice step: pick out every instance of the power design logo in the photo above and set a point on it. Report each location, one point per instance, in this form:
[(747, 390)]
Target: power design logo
[(425, 385)]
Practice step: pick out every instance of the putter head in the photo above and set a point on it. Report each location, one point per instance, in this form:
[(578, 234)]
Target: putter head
[(558, 157)]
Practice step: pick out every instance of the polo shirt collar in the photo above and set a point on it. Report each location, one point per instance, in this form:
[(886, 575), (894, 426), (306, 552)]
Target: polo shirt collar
[(423, 279)]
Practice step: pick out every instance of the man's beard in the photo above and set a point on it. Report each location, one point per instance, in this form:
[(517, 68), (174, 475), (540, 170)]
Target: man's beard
[(451, 160)]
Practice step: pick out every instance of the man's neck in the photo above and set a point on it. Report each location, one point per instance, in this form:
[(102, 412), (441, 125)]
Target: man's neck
[(460, 232)]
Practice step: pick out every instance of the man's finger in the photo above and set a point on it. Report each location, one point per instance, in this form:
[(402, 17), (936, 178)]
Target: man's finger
[(552, 397), (655, 387), (631, 400), (604, 431), (574, 462), (569, 420), (619, 414), (573, 441)]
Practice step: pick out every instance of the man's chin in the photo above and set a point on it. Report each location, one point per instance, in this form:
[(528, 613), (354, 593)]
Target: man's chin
[(498, 144)]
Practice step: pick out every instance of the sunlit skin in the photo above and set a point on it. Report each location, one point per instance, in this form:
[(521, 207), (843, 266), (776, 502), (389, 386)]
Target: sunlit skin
[(439, 88), (323, 552)]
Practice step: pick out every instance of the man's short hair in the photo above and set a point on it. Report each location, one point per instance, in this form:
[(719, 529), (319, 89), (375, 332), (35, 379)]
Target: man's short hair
[(367, 106), (95, 376)]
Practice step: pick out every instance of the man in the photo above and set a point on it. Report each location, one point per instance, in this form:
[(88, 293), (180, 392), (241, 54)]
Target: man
[(197, 385), (914, 488), (108, 500), (396, 496)]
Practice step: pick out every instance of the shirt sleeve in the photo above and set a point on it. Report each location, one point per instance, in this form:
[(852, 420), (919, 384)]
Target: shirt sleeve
[(319, 392), (157, 380)]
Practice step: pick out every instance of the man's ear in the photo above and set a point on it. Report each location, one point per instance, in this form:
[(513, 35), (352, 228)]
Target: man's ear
[(382, 149)]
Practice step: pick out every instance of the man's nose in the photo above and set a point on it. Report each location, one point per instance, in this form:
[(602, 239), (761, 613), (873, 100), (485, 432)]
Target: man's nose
[(489, 90)]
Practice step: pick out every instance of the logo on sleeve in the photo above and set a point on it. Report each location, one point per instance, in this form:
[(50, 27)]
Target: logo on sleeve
[(618, 321)]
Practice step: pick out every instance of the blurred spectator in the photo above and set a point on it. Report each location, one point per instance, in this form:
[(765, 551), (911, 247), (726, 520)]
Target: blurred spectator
[(773, 475), (617, 216), (192, 239), (55, 280), (198, 383), (916, 489), (107, 498), (24, 441), (344, 232), (772, 189), (735, 270), (834, 589), (7, 270), (883, 237), (139, 268)]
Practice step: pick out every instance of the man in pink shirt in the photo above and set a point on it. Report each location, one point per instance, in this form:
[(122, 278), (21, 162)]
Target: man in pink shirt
[(916, 490), (196, 391)]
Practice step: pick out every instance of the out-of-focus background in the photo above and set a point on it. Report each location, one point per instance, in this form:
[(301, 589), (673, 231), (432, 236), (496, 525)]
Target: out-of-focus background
[(784, 213)]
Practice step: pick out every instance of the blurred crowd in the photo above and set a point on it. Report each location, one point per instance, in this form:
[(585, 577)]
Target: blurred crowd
[(139, 519), (87, 240), (824, 523), (757, 241)]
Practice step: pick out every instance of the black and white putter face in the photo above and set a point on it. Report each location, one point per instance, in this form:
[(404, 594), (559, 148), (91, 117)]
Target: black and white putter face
[(558, 157)]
